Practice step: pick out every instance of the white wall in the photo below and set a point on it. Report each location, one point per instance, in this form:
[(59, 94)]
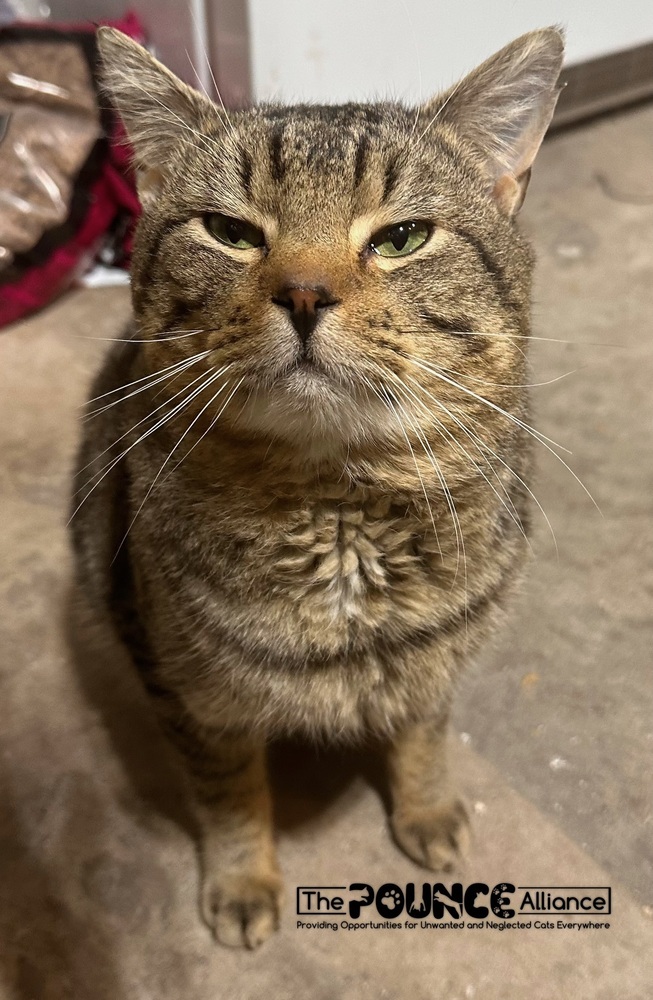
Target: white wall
[(337, 50)]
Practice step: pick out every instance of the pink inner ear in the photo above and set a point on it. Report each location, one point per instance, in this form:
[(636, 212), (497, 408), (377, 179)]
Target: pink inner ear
[(509, 192), (530, 141), (149, 182)]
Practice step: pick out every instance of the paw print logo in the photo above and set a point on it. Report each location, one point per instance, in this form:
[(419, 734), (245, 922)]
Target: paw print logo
[(390, 900), (499, 902)]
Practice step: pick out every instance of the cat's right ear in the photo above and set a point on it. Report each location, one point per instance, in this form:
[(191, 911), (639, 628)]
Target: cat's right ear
[(156, 107), (503, 108)]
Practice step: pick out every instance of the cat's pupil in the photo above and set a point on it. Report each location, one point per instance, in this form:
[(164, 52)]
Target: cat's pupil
[(399, 237), (233, 231)]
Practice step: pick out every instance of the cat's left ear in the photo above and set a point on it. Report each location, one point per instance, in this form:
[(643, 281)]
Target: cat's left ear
[(158, 110), (504, 108)]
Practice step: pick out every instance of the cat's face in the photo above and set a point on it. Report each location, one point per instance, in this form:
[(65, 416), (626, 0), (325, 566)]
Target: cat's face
[(354, 271)]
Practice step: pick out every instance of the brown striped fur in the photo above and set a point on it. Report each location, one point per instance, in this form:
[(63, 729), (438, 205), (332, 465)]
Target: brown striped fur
[(297, 567)]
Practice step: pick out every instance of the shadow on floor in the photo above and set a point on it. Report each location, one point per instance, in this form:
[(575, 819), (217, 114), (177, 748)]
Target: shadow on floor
[(48, 949)]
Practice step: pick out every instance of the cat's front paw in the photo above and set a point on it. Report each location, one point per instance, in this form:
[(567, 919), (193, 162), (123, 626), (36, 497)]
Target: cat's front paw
[(436, 837), (241, 910)]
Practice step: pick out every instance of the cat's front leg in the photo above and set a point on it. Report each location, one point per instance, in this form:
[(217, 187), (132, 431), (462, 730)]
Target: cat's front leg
[(429, 820), (241, 886)]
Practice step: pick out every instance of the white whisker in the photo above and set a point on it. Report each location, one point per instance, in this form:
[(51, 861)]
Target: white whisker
[(446, 433), (148, 416), (169, 456), (210, 427), (112, 464), (177, 370), (145, 378), (460, 542), (208, 66), (384, 396), (440, 110), (487, 447), (542, 438), (148, 340), (178, 121), (476, 441), (509, 385)]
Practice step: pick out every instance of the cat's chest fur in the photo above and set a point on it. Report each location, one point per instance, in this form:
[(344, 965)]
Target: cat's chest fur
[(318, 576), (341, 596), (341, 556), (328, 612)]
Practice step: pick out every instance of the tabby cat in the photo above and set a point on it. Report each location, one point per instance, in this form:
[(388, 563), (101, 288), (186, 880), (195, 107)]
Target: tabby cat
[(303, 489)]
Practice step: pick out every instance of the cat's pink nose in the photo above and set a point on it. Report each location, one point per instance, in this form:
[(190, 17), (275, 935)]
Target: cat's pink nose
[(303, 303), (303, 299)]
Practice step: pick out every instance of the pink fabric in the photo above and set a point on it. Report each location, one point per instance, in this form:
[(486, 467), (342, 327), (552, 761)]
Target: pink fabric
[(113, 191)]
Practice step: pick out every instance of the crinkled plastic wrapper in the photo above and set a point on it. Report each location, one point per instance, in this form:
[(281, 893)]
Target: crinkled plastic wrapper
[(49, 123)]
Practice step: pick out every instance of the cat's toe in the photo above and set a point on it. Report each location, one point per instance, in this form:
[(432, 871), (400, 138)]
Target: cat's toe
[(437, 837), (241, 910)]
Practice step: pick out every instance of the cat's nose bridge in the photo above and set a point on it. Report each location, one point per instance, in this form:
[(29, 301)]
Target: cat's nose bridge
[(323, 265)]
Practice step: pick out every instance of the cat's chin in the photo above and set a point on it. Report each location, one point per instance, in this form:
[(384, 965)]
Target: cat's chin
[(307, 408), (304, 377)]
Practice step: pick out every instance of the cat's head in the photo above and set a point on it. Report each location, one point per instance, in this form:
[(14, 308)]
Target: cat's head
[(354, 271)]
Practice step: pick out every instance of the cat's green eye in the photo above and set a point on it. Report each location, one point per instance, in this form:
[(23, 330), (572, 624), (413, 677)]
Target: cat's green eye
[(234, 232), (401, 239)]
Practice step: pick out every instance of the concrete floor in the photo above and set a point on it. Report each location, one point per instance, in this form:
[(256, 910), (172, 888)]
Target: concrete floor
[(553, 729)]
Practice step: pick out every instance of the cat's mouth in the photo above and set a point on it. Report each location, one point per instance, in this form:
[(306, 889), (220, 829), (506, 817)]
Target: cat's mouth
[(307, 364), (304, 365)]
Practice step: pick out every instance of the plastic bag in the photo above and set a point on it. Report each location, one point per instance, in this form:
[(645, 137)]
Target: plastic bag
[(65, 175)]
